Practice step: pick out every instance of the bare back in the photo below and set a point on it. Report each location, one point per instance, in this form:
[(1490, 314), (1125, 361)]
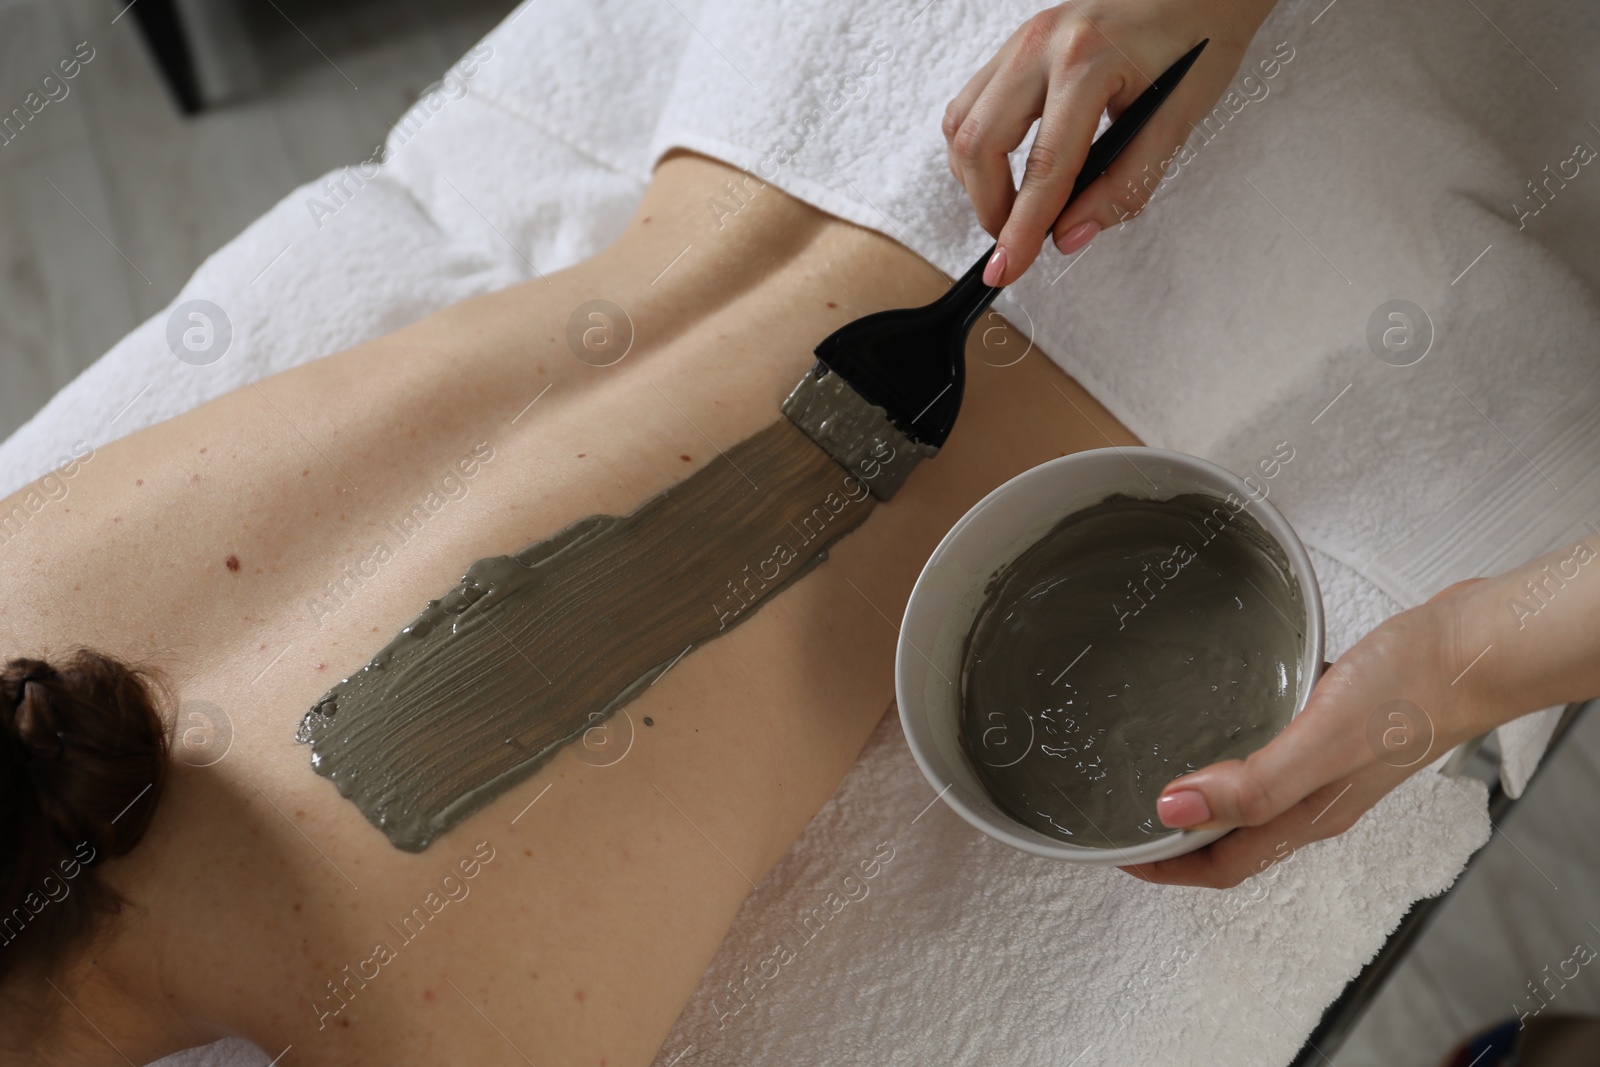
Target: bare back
[(236, 548)]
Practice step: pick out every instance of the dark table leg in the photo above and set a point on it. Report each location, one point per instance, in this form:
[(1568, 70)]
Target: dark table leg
[(163, 32)]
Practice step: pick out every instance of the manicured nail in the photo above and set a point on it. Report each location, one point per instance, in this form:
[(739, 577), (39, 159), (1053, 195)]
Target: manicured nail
[(1183, 808), (1077, 237), (996, 268)]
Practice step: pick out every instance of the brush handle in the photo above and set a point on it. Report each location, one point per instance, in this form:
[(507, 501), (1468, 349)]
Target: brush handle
[(969, 296)]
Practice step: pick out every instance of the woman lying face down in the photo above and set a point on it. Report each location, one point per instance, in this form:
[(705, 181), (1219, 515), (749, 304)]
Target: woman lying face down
[(247, 556), (231, 567)]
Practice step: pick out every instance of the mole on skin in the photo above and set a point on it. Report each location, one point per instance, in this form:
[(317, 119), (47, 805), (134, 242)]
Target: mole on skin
[(1135, 642), (529, 651)]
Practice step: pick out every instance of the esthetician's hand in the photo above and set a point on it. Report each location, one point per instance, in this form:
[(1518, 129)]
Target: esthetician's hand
[(1064, 67), (1426, 680)]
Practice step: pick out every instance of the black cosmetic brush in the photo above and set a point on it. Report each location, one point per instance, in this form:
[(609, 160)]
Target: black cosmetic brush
[(886, 388)]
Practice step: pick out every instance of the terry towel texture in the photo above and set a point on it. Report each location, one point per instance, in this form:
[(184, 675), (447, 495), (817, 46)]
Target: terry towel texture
[(1374, 165), (1365, 155)]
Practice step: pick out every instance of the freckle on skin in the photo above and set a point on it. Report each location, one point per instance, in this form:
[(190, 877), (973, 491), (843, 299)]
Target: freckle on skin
[(138, 481), (305, 473), (582, 454), (686, 459), (579, 996), (427, 994), (232, 563), (832, 304)]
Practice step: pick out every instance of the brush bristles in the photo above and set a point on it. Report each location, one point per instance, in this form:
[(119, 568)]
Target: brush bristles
[(858, 435)]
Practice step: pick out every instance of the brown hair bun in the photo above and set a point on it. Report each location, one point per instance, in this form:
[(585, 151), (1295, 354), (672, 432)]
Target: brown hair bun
[(83, 759)]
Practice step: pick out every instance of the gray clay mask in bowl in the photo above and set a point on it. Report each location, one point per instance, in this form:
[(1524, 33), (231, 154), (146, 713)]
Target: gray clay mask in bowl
[(1094, 628)]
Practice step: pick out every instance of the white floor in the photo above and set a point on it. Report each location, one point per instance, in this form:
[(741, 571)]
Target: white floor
[(109, 200)]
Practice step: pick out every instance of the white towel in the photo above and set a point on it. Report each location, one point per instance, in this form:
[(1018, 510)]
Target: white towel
[(962, 950), (1370, 155), (1211, 325)]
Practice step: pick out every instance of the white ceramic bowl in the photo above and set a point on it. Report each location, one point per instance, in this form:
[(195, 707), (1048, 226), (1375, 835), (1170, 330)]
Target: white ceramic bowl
[(949, 593)]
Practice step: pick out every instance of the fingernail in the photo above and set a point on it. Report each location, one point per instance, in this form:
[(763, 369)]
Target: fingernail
[(1077, 237), (1183, 808), (996, 268)]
